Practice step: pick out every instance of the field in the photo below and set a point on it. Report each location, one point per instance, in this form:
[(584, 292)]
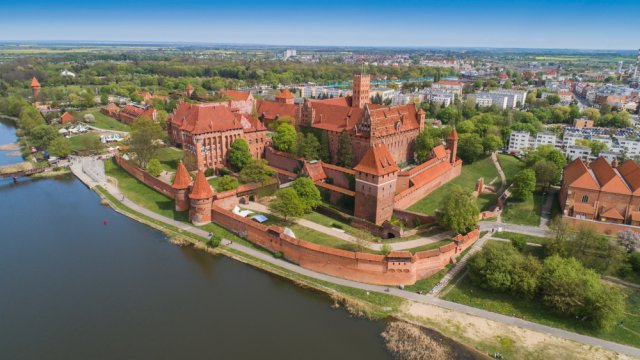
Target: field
[(510, 165), (467, 180), (169, 158), (525, 212), (108, 123), (515, 236), (78, 141), (532, 310)]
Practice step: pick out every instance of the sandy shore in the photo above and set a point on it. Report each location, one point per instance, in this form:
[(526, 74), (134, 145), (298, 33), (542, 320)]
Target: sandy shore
[(10, 147)]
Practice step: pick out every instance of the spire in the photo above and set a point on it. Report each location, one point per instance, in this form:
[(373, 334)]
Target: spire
[(453, 135), (34, 82), (201, 189), (182, 178)]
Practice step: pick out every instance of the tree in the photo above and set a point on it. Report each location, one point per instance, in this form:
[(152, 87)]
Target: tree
[(424, 144), (91, 144), (507, 85), (629, 239), (553, 99), (492, 143), (104, 99), (42, 135), (145, 139), (470, 147), (285, 138), (88, 100), (60, 147), (524, 184), (597, 147), (308, 146), (239, 154), (154, 167), (459, 211), (287, 203), (345, 156), (257, 171), (324, 152), (308, 193), (591, 114), (546, 173), (227, 183)]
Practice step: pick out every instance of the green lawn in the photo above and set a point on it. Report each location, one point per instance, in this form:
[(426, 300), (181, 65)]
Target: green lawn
[(425, 285), (77, 141), (533, 310), (467, 180), (215, 182), (431, 246), (515, 236), (108, 123), (525, 212), (510, 165), (169, 157)]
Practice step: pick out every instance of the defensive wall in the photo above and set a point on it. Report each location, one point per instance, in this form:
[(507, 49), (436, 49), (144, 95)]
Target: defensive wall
[(411, 195), (600, 226)]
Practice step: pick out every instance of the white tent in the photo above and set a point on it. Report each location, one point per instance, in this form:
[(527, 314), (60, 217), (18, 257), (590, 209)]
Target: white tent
[(62, 131)]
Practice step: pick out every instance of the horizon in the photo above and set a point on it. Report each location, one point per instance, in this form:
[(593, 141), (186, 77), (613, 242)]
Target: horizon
[(455, 24)]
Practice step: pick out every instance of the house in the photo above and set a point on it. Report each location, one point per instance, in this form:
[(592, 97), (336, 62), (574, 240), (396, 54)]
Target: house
[(130, 113), (66, 118), (110, 110)]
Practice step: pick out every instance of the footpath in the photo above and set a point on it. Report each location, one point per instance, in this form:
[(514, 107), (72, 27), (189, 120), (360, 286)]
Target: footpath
[(425, 299)]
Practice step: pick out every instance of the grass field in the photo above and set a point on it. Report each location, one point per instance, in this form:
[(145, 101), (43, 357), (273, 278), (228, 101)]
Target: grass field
[(525, 212), (425, 285), (107, 123), (532, 310), (169, 158), (467, 180), (510, 165), (515, 236), (77, 141)]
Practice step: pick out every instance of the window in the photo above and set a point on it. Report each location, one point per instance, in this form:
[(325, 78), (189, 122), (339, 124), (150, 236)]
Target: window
[(585, 199)]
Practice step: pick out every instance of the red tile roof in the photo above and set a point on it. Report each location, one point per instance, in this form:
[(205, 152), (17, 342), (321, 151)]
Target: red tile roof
[(34, 82), (273, 109), (584, 208), (339, 101), (189, 87), (578, 175), (284, 94), (453, 135), (335, 118), (236, 95), (609, 179), (315, 171), (390, 120), (449, 82), (630, 171), (65, 118), (439, 152), (432, 173), (201, 188), (335, 188), (377, 161), (182, 178), (199, 119), (612, 213)]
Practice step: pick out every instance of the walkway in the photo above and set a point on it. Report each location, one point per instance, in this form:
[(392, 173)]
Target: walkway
[(404, 245), (426, 299), (545, 216), (520, 229), (503, 178)]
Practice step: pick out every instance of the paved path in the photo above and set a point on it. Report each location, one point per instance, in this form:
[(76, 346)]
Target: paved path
[(503, 178), (545, 216), (520, 229), (382, 289), (404, 245)]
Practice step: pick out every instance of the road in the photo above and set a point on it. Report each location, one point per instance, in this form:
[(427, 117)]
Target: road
[(426, 299)]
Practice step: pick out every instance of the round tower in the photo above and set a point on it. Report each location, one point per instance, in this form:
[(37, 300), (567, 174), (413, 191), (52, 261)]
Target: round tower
[(35, 87), (180, 185), (201, 197), (452, 145)]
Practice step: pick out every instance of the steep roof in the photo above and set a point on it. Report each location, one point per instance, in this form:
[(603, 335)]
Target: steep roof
[(34, 82), (66, 117), (273, 109), (578, 175), (335, 118), (236, 95), (314, 170), (630, 171), (389, 120), (439, 152), (453, 135), (338, 101), (182, 178), (201, 188), (284, 94), (377, 161), (201, 118), (612, 213), (608, 178)]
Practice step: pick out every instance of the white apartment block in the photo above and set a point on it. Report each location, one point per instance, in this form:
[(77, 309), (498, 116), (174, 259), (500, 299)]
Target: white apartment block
[(515, 97), (454, 87), (519, 140), (577, 152), (483, 100)]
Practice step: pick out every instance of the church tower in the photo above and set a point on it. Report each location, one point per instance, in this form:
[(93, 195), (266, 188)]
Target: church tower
[(35, 87), (361, 84), (376, 178)]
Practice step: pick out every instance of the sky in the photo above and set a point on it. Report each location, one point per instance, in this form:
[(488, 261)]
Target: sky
[(568, 24)]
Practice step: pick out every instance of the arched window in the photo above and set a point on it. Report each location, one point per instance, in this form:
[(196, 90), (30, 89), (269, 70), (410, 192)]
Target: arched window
[(585, 199)]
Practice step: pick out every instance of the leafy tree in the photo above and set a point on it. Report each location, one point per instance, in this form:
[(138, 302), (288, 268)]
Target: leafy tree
[(597, 147), (449, 115), (459, 211), (154, 167), (492, 267), (308, 193), (239, 154), (285, 138), (492, 143), (104, 99), (145, 139), (470, 147), (60, 147), (591, 114), (30, 118), (88, 100), (546, 173), (42, 135), (524, 184), (227, 182), (91, 145), (257, 171), (553, 99), (323, 151), (345, 156), (507, 85), (424, 144), (287, 203), (308, 147)]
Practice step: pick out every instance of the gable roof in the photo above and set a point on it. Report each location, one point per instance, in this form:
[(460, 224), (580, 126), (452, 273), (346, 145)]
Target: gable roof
[(335, 118), (439, 152), (284, 94), (273, 109), (314, 170), (201, 118), (182, 178), (201, 188), (389, 120), (66, 117), (630, 171), (377, 161), (612, 213), (453, 135), (34, 82), (608, 178), (578, 175), (236, 95)]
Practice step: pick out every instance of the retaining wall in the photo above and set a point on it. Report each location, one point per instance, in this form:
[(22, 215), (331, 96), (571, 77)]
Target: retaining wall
[(146, 178)]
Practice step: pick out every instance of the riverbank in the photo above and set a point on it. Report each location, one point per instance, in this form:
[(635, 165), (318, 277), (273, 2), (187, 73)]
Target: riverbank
[(377, 304)]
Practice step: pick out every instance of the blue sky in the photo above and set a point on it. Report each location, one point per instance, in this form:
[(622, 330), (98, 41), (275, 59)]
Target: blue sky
[(539, 24)]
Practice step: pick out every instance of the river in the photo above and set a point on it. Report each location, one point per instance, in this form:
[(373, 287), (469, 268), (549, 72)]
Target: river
[(74, 288)]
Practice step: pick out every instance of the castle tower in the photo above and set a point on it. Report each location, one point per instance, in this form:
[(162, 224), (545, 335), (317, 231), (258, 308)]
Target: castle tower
[(189, 90), (421, 117), (180, 185), (361, 84), (285, 96), (35, 87), (201, 197), (376, 177), (452, 145)]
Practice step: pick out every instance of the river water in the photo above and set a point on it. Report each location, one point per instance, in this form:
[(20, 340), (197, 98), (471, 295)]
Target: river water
[(74, 288)]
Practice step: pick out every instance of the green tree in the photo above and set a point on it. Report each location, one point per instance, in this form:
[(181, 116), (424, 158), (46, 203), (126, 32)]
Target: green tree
[(345, 156), (323, 151), (507, 85), (227, 183), (42, 135), (459, 211), (145, 140), (154, 167), (30, 118), (287, 204), (104, 99), (524, 184), (553, 99), (88, 100), (470, 147), (597, 147), (239, 154), (424, 144), (546, 173), (91, 145), (309, 146), (285, 138), (308, 193), (591, 114), (60, 147), (256, 172), (492, 143)]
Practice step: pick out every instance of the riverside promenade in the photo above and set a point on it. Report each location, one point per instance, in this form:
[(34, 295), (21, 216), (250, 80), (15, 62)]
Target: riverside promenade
[(425, 299)]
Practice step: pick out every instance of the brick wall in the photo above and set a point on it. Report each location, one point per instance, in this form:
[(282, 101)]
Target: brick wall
[(603, 227), (146, 178), (411, 195), (411, 218), (283, 160)]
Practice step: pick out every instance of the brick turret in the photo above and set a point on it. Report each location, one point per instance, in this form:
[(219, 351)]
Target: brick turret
[(452, 145), (189, 90), (376, 178), (201, 197), (361, 85), (35, 87), (285, 96), (181, 184)]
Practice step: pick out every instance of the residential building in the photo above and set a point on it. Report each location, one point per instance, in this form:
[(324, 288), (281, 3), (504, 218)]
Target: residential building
[(454, 87), (130, 113)]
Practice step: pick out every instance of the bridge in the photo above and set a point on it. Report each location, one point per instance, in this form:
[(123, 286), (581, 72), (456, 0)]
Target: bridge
[(19, 173)]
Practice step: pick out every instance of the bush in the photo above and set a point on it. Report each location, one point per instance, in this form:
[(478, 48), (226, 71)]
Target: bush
[(386, 249), (209, 172), (278, 255), (214, 242), (634, 259), (224, 171), (519, 243), (154, 167)]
